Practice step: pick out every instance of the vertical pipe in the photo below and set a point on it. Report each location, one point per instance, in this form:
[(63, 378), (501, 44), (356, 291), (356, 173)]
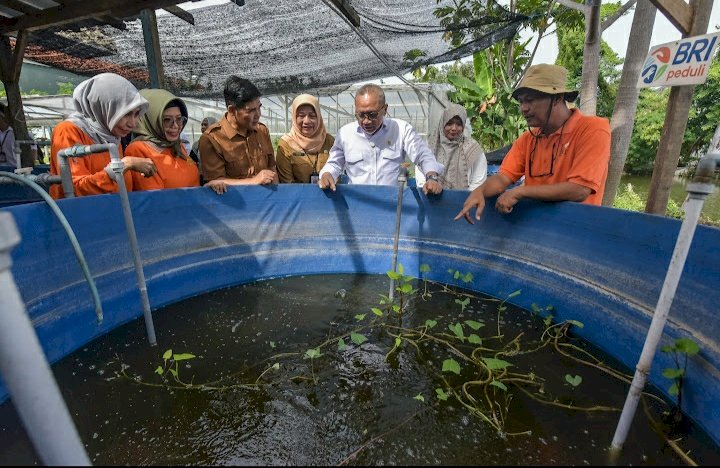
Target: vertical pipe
[(402, 178), (697, 193), (65, 175), (117, 165), (27, 374)]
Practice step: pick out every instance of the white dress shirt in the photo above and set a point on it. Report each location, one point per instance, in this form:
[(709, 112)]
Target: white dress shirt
[(375, 159)]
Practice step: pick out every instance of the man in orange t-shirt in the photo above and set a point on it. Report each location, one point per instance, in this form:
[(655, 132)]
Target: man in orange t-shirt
[(564, 156)]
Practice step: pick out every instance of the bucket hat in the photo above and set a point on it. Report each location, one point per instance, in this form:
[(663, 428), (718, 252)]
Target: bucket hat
[(546, 78)]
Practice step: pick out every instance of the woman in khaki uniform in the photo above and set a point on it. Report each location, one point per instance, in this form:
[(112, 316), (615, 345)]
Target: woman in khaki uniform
[(303, 151)]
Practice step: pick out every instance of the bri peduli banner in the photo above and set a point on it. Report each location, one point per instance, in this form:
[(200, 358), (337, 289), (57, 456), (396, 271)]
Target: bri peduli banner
[(683, 62)]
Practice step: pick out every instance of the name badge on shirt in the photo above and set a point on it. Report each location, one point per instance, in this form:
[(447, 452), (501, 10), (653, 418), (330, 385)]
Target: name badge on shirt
[(314, 178)]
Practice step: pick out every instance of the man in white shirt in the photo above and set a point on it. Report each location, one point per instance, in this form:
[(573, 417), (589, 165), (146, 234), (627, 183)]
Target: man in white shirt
[(372, 150), (7, 140)]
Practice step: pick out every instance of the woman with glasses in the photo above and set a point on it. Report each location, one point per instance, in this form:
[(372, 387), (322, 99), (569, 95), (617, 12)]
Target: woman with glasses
[(107, 109), (303, 151), (463, 158), (158, 138)]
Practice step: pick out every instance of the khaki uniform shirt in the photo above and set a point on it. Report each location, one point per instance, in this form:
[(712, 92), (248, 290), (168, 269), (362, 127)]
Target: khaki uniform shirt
[(296, 166), (227, 154)]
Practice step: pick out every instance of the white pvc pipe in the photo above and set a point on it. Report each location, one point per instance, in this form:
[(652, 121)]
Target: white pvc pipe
[(117, 167), (402, 178), (672, 278), (27, 374)]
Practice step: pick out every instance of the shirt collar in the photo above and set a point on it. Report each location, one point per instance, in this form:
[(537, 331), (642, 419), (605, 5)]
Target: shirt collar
[(230, 131), (382, 128)]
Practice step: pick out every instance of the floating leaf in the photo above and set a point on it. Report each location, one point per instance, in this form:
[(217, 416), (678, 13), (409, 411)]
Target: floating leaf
[(424, 268), (360, 317), (358, 338), (494, 364), (474, 339), (341, 345), (396, 308), (474, 325), (451, 365), (535, 308), (499, 385), (419, 397), (441, 394), (670, 373), (548, 320), (458, 330), (516, 293), (430, 323), (275, 366), (405, 288), (159, 370), (573, 380), (393, 275), (468, 277), (167, 354), (183, 356), (667, 349), (687, 346), (377, 311), (312, 353), (674, 389), (457, 274)]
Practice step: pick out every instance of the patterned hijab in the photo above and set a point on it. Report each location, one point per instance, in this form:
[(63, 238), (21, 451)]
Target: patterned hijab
[(150, 127), (101, 101), (295, 138), (457, 155)]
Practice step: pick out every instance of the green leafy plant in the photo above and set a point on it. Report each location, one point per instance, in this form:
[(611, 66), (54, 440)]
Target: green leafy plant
[(171, 364), (680, 350)]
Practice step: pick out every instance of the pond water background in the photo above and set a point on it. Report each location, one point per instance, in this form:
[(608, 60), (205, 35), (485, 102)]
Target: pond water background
[(641, 186), (357, 406)]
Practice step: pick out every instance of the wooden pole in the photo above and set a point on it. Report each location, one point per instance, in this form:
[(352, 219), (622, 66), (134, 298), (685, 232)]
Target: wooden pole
[(152, 48), (10, 65), (676, 117)]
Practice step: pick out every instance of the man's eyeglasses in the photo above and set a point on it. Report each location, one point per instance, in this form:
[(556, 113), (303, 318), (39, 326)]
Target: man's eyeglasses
[(372, 115), (555, 149), (178, 121)]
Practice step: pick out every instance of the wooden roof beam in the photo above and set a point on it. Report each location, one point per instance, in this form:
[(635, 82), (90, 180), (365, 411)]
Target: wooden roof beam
[(113, 21), (679, 13), (180, 13), (76, 11), (21, 7)]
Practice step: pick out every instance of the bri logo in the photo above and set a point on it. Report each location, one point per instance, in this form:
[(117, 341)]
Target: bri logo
[(655, 65), (679, 63)]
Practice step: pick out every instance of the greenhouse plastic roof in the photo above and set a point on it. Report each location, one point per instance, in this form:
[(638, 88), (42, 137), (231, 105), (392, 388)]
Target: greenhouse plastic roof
[(283, 46)]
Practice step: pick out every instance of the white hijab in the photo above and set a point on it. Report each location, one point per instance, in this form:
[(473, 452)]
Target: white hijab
[(101, 102)]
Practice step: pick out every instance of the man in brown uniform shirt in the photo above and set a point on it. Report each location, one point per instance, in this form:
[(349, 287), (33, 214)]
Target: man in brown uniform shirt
[(237, 150)]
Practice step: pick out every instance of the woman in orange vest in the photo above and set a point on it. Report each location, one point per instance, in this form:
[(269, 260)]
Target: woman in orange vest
[(158, 138), (107, 109)]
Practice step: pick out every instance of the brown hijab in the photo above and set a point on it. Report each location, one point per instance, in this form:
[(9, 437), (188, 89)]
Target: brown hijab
[(295, 138)]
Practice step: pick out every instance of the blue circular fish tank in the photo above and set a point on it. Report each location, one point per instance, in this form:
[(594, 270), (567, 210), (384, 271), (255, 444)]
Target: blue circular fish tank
[(604, 267)]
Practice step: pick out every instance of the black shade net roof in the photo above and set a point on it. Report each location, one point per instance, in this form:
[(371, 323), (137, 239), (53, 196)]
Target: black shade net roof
[(283, 46)]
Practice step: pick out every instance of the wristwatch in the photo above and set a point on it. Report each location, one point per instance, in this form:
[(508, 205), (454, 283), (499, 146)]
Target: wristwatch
[(433, 177)]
